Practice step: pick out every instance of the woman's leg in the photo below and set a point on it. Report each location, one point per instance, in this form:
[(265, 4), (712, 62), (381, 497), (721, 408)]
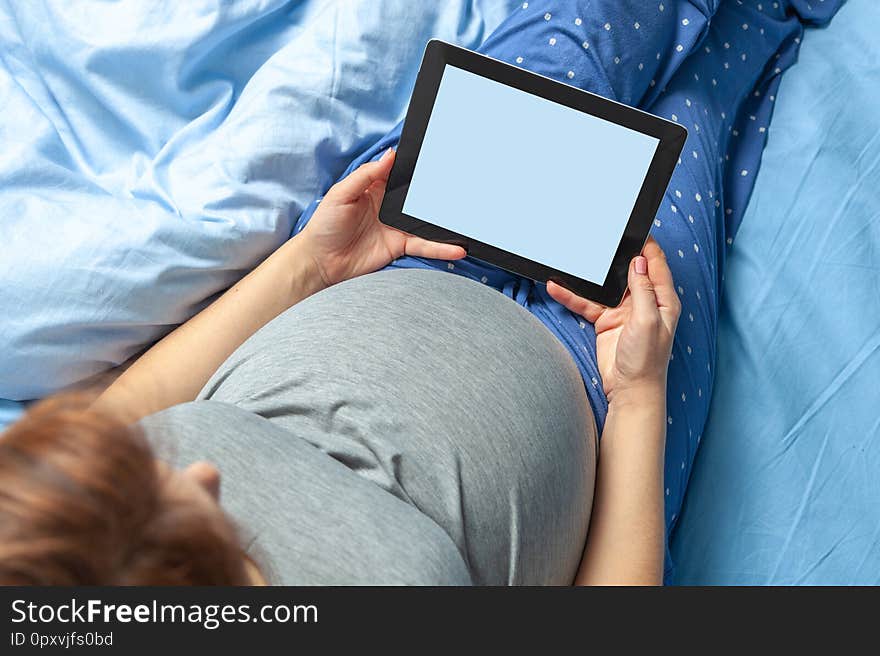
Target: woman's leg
[(713, 68), (724, 95), (626, 49)]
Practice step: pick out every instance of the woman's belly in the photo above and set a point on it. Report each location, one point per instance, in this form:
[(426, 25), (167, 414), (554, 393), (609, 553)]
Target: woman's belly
[(446, 394)]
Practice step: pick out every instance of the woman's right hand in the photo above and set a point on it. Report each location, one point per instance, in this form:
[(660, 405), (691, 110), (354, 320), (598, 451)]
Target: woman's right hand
[(633, 340)]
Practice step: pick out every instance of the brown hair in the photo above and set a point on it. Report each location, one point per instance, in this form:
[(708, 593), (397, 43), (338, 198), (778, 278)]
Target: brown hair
[(83, 502)]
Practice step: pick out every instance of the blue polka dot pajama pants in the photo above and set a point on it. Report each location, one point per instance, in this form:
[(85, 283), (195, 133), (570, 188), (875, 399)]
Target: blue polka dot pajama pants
[(712, 65)]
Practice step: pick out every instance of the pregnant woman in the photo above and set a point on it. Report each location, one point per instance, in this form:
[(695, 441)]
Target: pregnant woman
[(411, 426), (400, 427)]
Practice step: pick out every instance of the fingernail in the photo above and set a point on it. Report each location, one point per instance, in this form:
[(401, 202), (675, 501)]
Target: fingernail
[(387, 154), (641, 265)]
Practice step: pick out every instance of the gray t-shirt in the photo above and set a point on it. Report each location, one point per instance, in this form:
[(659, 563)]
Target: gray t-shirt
[(406, 427)]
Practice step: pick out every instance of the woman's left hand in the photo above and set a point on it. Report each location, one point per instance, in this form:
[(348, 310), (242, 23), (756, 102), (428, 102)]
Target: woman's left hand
[(345, 237), (633, 340)]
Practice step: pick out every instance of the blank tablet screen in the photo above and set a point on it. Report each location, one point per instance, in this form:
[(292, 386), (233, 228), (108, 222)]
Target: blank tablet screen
[(528, 175)]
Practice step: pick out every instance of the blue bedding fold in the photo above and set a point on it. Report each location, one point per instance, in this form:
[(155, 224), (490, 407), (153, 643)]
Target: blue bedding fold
[(154, 152)]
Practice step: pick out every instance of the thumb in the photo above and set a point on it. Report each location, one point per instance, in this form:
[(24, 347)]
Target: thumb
[(642, 289), (352, 188)]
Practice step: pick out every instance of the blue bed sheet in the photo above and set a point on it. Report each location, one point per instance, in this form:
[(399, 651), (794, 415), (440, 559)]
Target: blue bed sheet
[(785, 489), (154, 152)]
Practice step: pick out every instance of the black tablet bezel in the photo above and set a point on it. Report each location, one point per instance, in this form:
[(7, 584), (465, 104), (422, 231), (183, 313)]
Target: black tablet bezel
[(671, 136)]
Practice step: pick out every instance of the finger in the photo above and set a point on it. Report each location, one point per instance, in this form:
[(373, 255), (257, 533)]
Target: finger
[(418, 247), (587, 309), (352, 187), (660, 275), (642, 290), (376, 193)]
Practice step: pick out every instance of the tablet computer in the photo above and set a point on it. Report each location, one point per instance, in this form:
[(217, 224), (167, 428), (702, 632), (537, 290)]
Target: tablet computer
[(528, 174)]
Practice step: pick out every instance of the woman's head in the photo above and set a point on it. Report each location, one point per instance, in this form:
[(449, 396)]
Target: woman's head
[(83, 501)]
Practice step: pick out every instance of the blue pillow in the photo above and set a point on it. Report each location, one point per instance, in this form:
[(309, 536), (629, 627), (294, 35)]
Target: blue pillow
[(150, 159)]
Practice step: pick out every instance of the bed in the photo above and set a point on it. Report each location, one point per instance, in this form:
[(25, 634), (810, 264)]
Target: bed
[(220, 103), (785, 488)]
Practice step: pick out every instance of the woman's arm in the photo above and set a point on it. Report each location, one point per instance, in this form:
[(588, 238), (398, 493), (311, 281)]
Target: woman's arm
[(176, 368), (344, 239), (633, 344), (625, 542)]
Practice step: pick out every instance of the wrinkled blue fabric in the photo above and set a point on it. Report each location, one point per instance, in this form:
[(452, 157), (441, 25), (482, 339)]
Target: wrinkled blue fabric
[(785, 488), (715, 67), (153, 152)]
